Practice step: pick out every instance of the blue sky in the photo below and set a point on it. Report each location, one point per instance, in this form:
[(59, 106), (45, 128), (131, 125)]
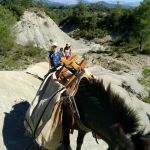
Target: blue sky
[(110, 1)]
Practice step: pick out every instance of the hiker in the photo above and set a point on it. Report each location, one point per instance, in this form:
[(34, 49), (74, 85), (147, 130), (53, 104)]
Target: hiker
[(54, 57), (67, 51), (62, 52)]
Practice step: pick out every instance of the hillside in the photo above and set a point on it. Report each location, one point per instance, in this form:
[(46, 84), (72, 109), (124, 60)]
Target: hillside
[(40, 30)]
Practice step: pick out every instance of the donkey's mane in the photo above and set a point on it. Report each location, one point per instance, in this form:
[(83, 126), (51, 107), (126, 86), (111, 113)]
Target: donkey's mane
[(126, 116)]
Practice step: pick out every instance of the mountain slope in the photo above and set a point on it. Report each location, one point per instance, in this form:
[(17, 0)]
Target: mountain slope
[(38, 29)]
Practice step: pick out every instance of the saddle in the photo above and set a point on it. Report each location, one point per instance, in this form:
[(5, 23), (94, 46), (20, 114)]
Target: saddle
[(70, 75)]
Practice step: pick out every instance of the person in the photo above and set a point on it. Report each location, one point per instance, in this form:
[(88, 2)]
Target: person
[(62, 52), (67, 51), (54, 57)]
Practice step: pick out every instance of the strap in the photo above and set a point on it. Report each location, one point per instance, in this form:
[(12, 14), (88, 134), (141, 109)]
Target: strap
[(76, 115)]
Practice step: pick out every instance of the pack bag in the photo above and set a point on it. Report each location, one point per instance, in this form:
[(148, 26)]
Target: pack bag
[(43, 119)]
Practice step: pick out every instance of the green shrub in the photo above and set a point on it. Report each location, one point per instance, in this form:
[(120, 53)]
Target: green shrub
[(32, 51), (17, 7), (147, 100), (144, 82), (115, 67), (7, 17), (146, 72), (118, 67), (6, 41), (19, 53), (145, 51), (9, 63)]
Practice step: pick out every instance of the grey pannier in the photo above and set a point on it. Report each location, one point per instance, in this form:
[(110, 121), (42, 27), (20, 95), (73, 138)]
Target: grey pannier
[(44, 117)]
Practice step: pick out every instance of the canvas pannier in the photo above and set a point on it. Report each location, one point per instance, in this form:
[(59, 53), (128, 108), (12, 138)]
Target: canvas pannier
[(44, 117)]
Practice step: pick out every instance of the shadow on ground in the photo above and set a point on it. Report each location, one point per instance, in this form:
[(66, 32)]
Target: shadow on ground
[(14, 134)]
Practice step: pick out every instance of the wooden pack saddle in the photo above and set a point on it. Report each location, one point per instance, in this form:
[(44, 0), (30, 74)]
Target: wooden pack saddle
[(70, 75)]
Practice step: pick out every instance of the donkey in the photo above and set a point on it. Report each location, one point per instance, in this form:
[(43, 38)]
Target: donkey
[(106, 114)]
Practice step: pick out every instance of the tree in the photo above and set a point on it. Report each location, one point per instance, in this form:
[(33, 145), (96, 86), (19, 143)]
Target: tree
[(7, 17), (7, 20), (115, 16), (6, 42), (80, 11), (17, 6), (142, 32)]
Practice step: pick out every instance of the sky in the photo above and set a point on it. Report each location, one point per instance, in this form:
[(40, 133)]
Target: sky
[(109, 1)]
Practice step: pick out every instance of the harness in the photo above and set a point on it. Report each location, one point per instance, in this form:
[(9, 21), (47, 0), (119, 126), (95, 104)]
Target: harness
[(71, 82)]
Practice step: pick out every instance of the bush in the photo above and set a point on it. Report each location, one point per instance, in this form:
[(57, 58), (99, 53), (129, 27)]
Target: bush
[(146, 51), (89, 34), (7, 17), (146, 72), (147, 100), (9, 63), (22, 56), (17, 7), (32, 51), (6, 41)]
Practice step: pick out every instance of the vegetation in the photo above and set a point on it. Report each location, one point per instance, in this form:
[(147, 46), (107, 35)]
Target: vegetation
[(20, 57), (130, 28), (17, 7), (13, 56), (147, 99), (7, 20), (146, 82), (146, 72)]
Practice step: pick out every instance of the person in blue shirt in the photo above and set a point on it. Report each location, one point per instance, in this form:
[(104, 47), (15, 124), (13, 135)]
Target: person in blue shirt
[(54, 57)]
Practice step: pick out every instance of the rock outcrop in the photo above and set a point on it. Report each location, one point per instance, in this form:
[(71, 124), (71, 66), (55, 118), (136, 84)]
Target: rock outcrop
[(38, 29)]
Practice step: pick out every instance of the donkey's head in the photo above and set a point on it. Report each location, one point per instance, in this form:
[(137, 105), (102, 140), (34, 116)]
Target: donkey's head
[(141, 142), (123, 141), (125, 119), (130, 142)]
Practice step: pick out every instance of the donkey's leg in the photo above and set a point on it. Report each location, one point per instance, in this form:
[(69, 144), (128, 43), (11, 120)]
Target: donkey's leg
[(66, 128), (80, 138)]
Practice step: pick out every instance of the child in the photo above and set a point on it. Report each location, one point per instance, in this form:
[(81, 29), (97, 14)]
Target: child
[(67, 51)]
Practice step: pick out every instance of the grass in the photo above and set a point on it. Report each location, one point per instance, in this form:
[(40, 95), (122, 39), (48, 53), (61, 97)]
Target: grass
[(9, 62), (147, 100), (20, 57), (145, 81), (146, 72)]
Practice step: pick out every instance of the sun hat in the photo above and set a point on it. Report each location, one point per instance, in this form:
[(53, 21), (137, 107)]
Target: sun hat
[(55, 44)]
